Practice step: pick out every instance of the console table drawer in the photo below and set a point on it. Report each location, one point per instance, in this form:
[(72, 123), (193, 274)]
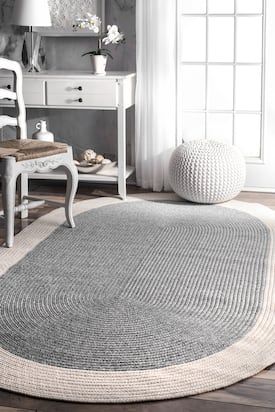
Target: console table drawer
[(33, 91), (87, 93), (6, 83)]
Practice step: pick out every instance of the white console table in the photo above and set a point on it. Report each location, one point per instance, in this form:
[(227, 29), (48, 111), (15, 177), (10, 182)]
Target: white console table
[(82, 90)]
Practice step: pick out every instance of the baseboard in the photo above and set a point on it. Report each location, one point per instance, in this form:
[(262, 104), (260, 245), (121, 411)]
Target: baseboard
[(259, 189)]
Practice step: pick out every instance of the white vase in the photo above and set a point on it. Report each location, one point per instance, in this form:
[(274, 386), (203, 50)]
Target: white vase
[(99, 64), (43, 134)]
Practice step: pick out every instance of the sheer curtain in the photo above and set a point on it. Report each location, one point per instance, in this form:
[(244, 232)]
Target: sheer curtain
[(156, 91)]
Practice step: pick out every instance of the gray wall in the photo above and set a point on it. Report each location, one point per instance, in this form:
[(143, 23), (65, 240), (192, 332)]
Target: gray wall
[(80, 128)]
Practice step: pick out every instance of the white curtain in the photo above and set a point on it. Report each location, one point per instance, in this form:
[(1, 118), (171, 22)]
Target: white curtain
[(156, 91)]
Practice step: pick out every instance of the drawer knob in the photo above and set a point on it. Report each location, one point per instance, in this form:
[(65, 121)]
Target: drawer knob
[(8, 86), (80, 88), (80, 100)]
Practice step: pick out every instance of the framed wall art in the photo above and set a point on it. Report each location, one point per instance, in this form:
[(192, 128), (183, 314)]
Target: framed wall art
[(65, 13)]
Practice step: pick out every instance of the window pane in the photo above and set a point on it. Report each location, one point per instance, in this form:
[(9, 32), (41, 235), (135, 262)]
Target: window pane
[(220, 127), (190, 6), (220, 87), (249, 39), (248, 87), (221, 39), (193, 87), (193, 126), (249, 6), (193, 39), (248, 134), (220, 6)]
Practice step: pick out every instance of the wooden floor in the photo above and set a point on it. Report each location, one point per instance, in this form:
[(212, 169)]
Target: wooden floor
[(256, 394)]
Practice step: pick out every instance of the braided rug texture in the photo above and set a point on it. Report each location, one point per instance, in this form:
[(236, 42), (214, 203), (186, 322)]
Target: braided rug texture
[(143, 300)]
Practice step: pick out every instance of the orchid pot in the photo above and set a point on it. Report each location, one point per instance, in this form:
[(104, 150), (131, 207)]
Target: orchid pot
[(99, 63), (111, 36)]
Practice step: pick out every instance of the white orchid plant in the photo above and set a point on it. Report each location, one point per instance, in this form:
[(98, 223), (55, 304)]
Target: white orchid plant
[(94, 24)]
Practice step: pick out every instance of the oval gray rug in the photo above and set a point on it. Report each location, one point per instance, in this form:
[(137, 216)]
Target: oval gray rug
[(143, 300)]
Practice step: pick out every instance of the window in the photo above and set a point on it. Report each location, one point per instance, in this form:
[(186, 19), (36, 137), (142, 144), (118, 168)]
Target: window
[(221, 72)]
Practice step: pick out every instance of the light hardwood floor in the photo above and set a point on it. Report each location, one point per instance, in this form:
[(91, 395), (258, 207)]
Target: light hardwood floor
[(256, 394)]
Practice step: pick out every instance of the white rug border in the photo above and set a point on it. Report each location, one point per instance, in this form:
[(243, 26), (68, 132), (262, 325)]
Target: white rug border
[(254, 352)]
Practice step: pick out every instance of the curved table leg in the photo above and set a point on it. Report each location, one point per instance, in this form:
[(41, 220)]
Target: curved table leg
[(71, 189), (9, 190)]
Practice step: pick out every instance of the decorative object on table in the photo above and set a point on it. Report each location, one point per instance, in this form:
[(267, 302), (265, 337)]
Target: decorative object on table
[(206, 171), (85, 167), (88, 155), (91, 162), (32, 13), (42, 133), (133, 337), (99, 159), (106, 168), (112, 36)]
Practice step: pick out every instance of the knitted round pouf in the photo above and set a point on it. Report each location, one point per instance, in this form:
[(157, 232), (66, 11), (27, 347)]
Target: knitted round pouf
[(206, 171)]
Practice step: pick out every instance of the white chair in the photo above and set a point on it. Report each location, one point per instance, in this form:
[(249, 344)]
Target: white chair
[(21, 156)]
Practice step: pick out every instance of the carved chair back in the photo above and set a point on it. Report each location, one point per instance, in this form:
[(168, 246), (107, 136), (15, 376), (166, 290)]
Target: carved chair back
[(14, 93)]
